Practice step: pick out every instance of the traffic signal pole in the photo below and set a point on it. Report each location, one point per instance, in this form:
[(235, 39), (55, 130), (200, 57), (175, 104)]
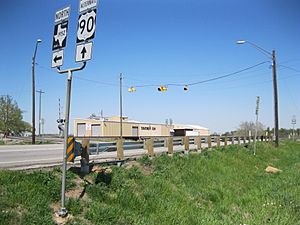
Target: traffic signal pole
[(63, 211)]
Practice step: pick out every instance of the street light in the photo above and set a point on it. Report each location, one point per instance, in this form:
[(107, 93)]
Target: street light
[(33, 91), (273, 57)]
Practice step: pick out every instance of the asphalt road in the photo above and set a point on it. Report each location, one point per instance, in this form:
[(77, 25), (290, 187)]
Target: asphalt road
[(18, 157)]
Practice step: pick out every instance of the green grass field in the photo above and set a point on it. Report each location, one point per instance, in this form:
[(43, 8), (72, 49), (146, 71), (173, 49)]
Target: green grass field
[(224, 186)]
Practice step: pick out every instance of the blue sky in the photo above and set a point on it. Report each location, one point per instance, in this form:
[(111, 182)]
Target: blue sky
[(159, 42)]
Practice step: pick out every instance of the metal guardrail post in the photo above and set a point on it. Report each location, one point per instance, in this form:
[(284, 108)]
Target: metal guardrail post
[(232, 140), (239, 140), (170, 145), (244, 139), (97, 148), (120, 149), (209, 141)]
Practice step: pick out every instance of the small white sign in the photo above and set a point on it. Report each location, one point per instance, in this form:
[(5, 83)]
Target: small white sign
[(57, 58), (88, 126), (87, 4), (62, 14), (84, 52), (86, 26)]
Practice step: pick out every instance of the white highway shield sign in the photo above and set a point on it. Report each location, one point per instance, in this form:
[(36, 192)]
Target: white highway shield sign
[(84, 52), (86, 26), (60, 35), (57, 58), (87, 4)]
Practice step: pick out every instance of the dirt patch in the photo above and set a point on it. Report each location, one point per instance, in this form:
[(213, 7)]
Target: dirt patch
[(78, 190), (56, 218)]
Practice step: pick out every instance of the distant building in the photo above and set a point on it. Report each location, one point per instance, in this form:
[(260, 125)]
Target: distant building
[(110, 127)]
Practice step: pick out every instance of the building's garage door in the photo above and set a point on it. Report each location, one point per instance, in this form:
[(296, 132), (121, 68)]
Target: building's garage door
[(96, 130), (135, 132), (81, 129)]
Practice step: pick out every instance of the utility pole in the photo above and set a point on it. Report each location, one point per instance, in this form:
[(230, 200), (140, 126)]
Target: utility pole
[(40, 109), (276, 128), (294, 122), (256, 123), (121, 108)]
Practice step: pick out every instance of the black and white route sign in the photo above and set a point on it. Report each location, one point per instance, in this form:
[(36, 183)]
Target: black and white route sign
[(57, 58), (84, 52), (60, 35), (86, 26)]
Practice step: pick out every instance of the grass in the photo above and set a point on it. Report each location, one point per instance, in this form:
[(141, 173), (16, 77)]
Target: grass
[(223, 186)]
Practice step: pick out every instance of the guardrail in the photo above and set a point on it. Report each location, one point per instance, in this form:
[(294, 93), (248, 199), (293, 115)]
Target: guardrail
[(169, 144)]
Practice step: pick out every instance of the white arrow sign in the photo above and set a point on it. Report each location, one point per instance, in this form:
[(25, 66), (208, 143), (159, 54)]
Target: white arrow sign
[(86, 26), (57, 58), (84, 52)]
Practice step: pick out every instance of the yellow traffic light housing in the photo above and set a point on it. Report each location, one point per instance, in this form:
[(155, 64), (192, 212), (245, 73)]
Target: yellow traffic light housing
[(132, 89), (162, 88), (185, 88)]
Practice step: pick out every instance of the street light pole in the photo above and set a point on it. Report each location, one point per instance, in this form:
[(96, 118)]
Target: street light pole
[(273, 57), (33, 91)]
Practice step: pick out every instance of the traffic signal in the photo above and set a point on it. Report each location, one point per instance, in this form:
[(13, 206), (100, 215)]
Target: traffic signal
[(132, 89), (162, 88), (185, 88)]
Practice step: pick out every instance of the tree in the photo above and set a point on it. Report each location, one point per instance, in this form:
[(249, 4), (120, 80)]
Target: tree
[(246, 126), (11, 119)]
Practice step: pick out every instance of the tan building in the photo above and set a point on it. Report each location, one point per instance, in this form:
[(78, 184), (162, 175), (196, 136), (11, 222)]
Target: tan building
[(110, 127)]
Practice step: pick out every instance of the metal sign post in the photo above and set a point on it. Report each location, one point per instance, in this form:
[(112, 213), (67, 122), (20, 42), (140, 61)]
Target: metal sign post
[(63, 211)]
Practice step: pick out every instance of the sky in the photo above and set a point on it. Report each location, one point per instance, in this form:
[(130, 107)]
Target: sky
[(153, 43)]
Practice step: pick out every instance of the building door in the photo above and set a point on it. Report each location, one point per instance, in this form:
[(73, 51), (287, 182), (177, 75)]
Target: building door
[(96, 130), (135, 132), (81, 129)]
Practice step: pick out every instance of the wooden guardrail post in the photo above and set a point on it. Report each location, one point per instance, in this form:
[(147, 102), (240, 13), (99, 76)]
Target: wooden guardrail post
[(225, 141), (244, 139), (120, 149), (186, 141), (170, 145), (232, 140), (239, 140), (198, 143), (85, 157), (149, 147), (209, 141), (218, 141)]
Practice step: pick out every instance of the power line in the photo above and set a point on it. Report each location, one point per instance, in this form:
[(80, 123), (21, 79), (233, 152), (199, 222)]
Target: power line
[(288, 67)]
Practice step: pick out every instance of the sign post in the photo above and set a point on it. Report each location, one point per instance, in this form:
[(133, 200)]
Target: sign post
[(85, 33)]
